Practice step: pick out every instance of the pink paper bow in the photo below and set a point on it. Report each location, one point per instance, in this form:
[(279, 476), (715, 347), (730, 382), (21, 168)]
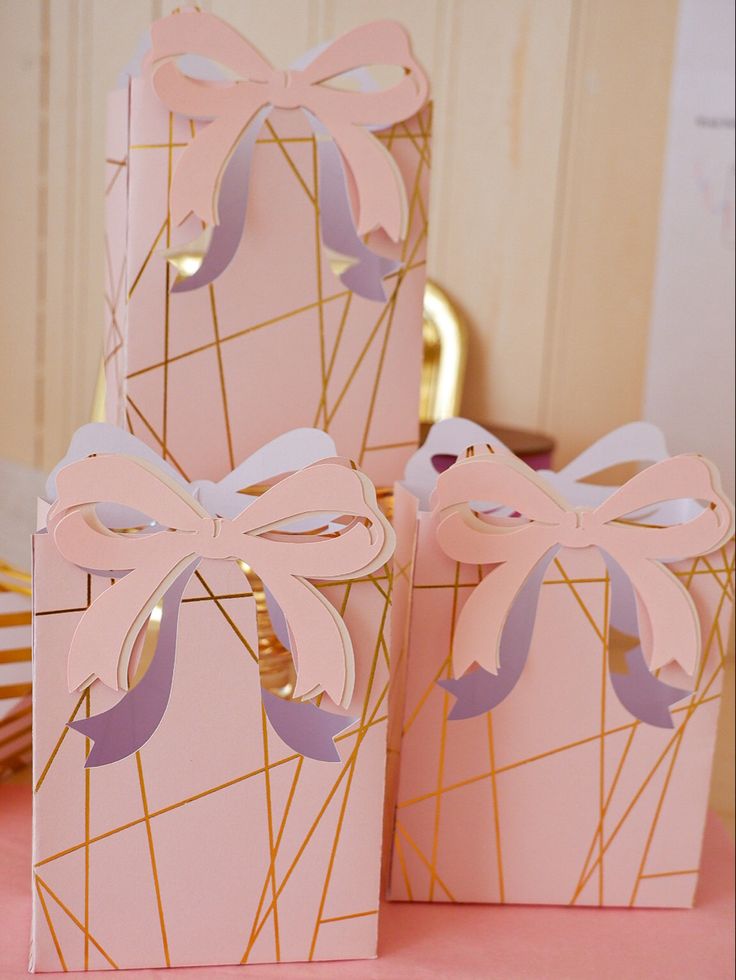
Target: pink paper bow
[(232, 107), (669, 624), (161, 560)]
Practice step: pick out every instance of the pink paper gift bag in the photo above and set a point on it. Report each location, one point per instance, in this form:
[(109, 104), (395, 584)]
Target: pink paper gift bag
[(288, 332), (214, 842), (576, 776)]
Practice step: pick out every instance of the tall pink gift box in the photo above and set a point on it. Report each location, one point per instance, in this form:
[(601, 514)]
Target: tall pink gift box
[(215, 843), (558, 795), (276, 341)]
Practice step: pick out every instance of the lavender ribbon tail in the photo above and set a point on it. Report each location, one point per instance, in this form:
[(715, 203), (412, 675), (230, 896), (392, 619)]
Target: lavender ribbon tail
[(479, 690), (366, 276), (128, 725), (304, 727), (642, 694), (232, 208)]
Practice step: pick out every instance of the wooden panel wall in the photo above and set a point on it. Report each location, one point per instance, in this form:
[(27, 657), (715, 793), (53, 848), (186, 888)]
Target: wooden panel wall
[(550, 124)]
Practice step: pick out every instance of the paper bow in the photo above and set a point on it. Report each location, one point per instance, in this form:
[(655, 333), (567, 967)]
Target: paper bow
[(348, 152), (157, 563), (495, 625)]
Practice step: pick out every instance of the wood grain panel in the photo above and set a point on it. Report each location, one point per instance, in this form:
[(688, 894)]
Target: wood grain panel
[(22, 250), (494, 200), (606, 224)]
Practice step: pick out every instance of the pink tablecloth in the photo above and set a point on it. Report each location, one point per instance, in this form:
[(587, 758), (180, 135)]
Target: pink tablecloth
[(459, 942)]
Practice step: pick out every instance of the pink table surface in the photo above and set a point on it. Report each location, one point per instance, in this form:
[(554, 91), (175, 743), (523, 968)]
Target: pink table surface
[(458, 942)]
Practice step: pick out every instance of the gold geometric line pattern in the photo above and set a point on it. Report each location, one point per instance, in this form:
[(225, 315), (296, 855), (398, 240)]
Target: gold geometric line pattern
[(601, 841), (673, 741), (159, 439), (303, 846), (500, 770), (197, 796), (343, 806), (318, 275), (350, 915), (49, 923), (59, 741), (152, 854), (221, 373), (434, 876), (269, 824), (443, 740), (270, 873), (496, 813), (67, 911), (671, 874), (370, 717)]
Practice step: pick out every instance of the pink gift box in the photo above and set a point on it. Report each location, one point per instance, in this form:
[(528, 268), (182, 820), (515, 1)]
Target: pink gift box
[(276, 341), (215, 843), (558, 795)]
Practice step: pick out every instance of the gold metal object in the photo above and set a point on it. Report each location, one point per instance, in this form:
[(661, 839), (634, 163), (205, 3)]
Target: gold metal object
[(98, 399), (445, 354)]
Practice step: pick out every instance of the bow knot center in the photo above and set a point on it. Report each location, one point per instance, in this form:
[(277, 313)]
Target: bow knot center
[(576, 530), (217, 538), (285, 90)]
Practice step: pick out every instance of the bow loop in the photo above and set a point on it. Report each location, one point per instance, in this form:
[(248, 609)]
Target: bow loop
[(201, 33), (499, 479), (686, 477)]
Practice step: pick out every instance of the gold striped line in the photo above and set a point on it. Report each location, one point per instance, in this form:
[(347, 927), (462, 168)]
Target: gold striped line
[(348, 784), (15, 618), (496, 811), (287, 156), (671, 874), (198, 796), (351, 915), (663, 755), (17, 656), (152, 853), (15, 690), (50, 924), (269, 820), (221, 372), (236, 336), (164, 451), (228, 618), (279, 836), (333, 357), (318, 818), (433, 873), (76, 921), (147, 259)]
